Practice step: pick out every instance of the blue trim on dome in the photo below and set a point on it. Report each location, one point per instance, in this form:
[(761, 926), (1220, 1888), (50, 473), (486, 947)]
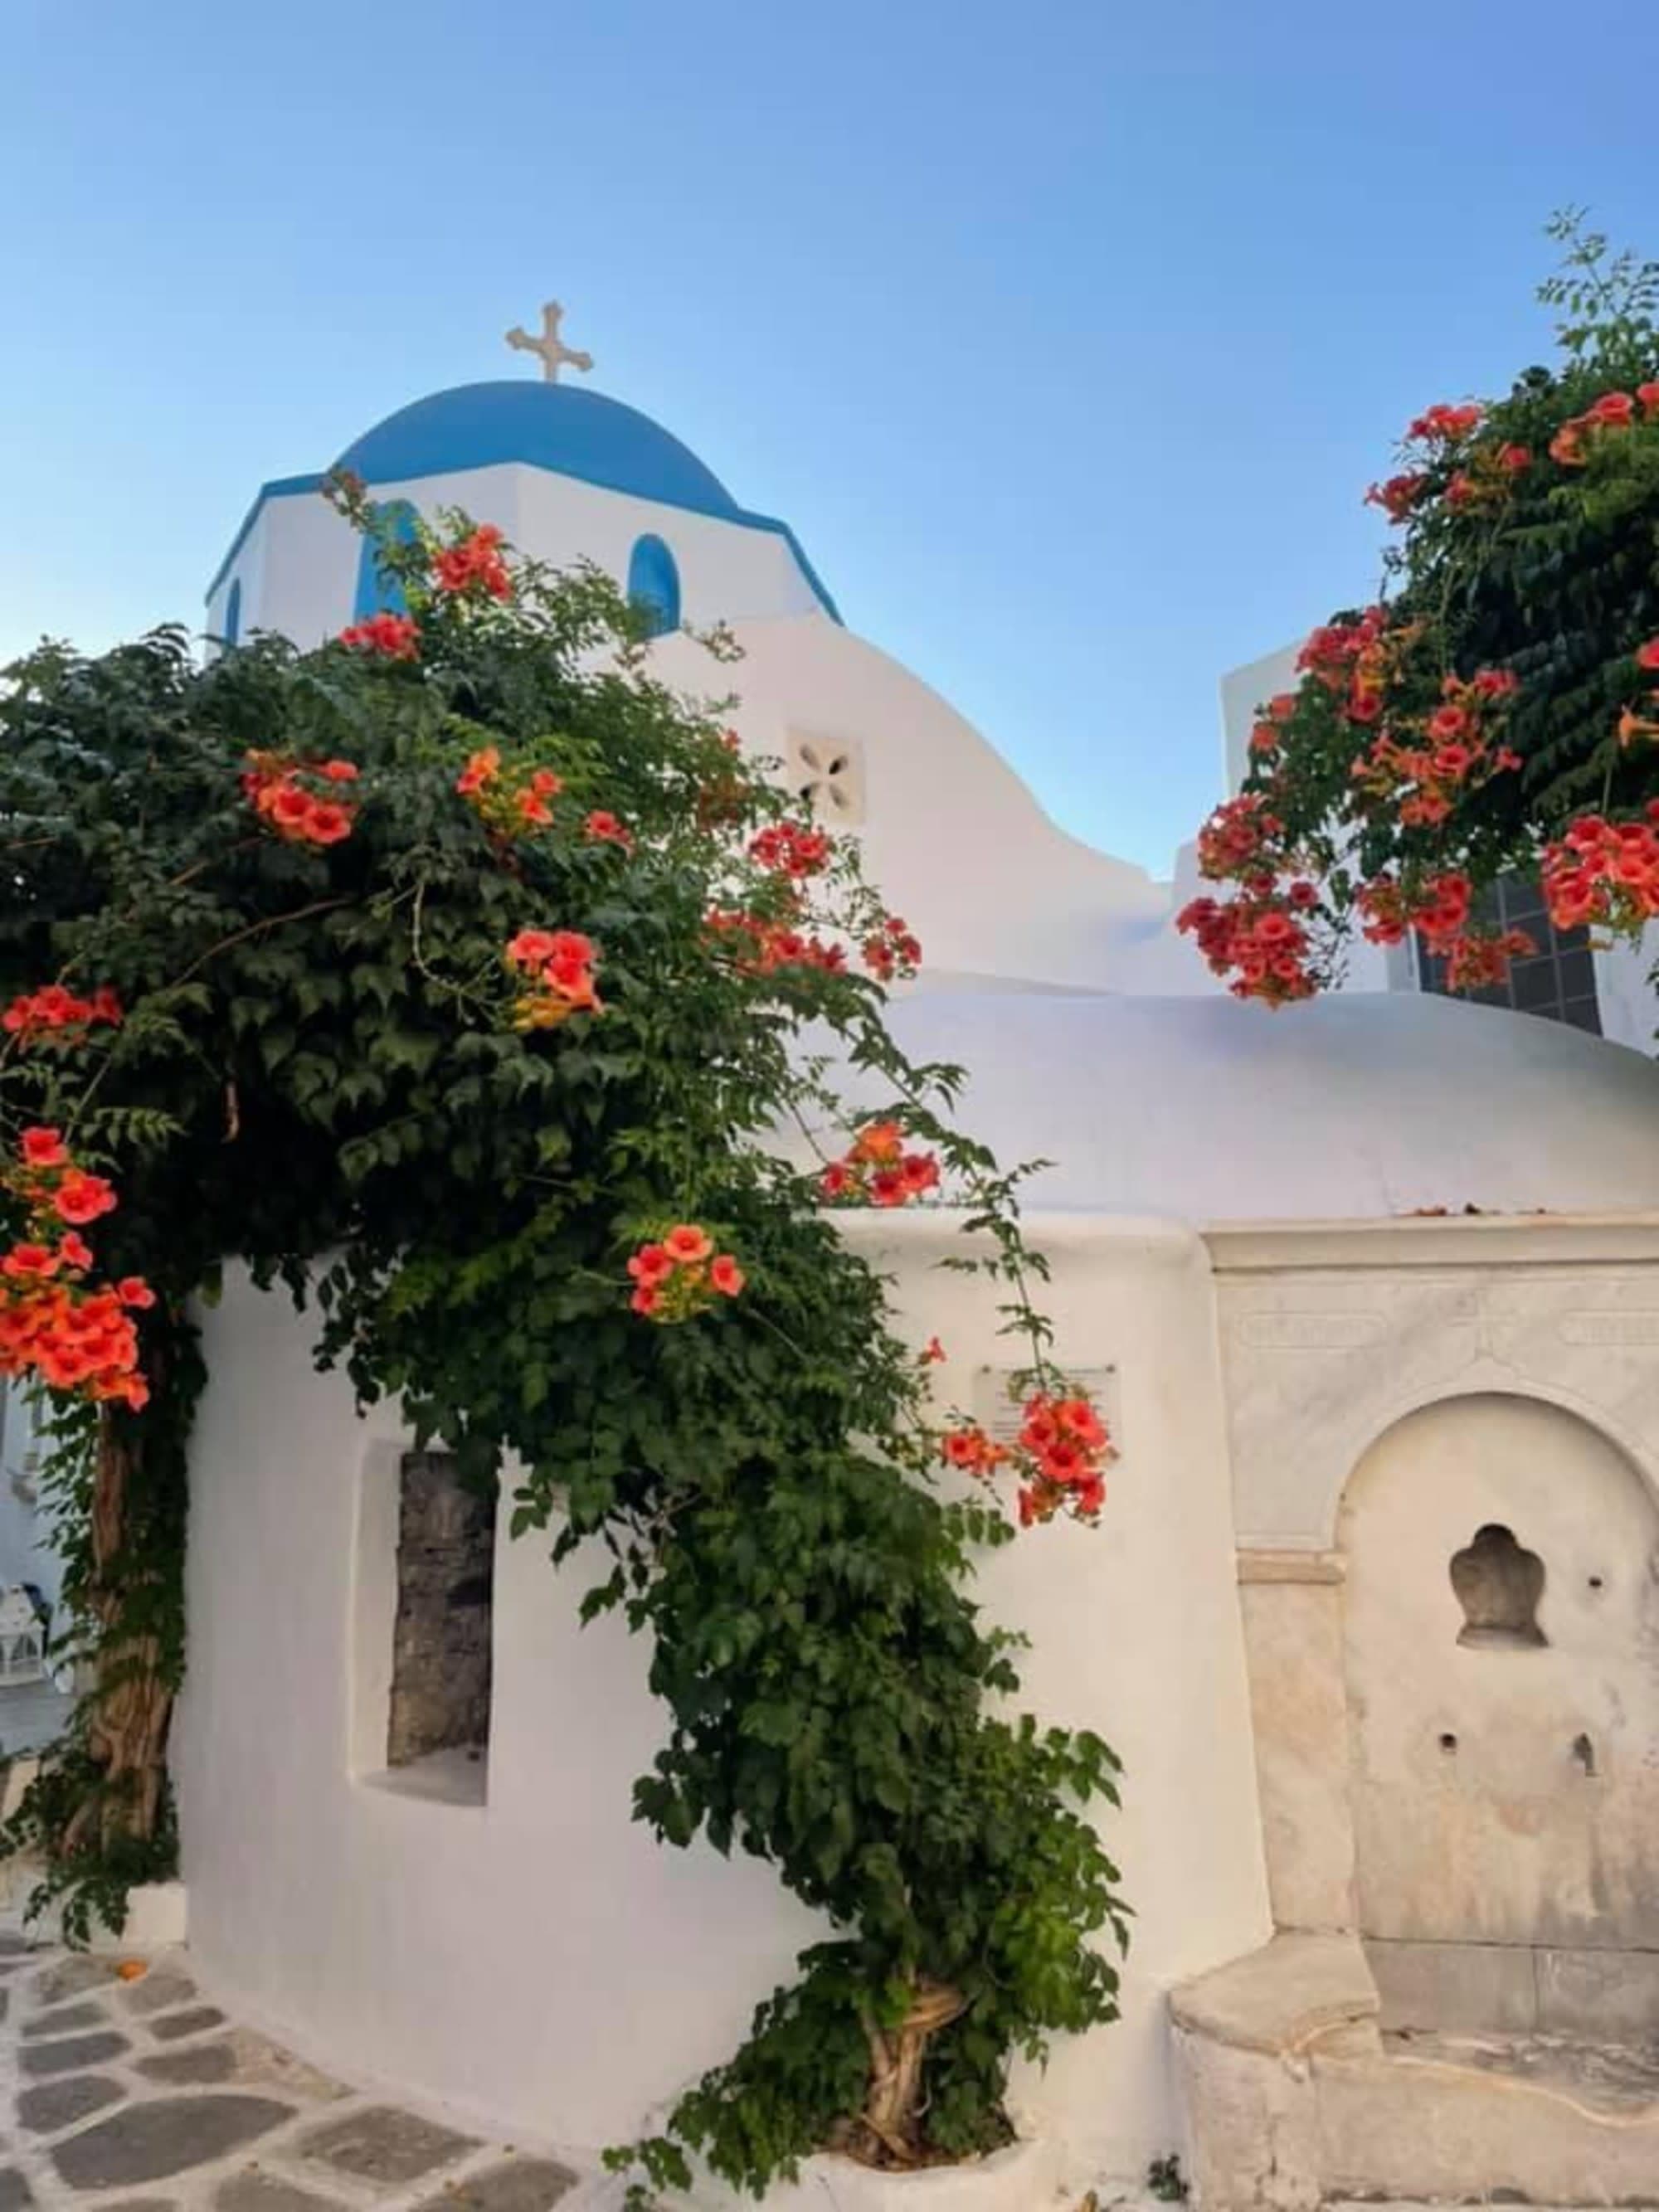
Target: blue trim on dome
[(278, 488), (549, 425), (556, 427)]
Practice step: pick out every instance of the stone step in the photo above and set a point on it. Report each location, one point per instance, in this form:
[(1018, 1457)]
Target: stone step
[(1296, 2097)]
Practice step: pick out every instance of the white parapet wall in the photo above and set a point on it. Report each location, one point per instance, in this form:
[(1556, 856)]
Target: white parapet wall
[(516, 1946)]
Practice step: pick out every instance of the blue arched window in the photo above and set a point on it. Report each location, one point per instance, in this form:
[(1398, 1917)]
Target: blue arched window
[(232, 626), (653, 584), (379, 594)]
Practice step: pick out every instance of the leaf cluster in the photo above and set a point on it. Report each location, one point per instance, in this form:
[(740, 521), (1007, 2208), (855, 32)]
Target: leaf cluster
[(319, 1078)]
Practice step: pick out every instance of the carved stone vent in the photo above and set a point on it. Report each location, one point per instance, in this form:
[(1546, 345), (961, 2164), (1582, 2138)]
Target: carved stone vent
[(1498, 1583), (827, 775)]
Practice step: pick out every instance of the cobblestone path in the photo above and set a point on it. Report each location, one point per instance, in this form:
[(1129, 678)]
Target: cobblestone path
[(139, 2095)]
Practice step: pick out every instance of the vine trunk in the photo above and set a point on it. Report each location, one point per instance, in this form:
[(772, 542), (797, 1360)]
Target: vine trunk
[(889, 2131), (131, 1703)]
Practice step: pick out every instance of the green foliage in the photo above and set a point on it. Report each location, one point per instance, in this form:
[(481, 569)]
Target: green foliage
[(320, 1076), (1166, 2182), (90, 1827), (1609, 303), (90, 1884)]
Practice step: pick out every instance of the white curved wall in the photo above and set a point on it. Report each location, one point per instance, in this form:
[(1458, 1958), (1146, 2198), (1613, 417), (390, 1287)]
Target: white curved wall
[(1348, 1107), (952, 837), (537, 1961)]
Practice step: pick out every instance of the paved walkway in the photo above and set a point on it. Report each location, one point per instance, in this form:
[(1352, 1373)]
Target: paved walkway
[(138, 2095), (31, 1713)]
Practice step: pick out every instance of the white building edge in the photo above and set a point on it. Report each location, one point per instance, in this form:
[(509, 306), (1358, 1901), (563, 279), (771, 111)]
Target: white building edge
[(1265, 1625)]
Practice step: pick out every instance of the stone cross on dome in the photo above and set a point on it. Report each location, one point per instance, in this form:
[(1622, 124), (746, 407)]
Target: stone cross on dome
[(550, 347)]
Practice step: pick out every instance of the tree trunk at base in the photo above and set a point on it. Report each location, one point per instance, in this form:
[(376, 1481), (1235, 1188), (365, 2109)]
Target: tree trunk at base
[(130, 1705), (891, 2116)]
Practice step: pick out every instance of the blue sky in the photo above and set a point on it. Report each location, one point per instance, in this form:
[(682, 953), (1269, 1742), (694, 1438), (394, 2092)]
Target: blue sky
[(1065, 336)]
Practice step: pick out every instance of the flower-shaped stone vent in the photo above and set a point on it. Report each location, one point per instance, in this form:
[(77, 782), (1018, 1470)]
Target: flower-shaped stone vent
[(826, 774)]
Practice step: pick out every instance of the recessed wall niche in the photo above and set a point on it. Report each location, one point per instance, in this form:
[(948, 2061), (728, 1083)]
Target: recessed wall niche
[(1499, 1583), (440, 1699)]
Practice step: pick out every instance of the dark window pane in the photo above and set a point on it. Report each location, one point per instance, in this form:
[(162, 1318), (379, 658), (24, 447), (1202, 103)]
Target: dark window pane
[(1556, 981), (1523, 908), (1533, 984), (1577, 974)]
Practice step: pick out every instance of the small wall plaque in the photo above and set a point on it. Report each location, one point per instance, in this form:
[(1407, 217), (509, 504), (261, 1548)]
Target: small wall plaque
[(1002, 1418)]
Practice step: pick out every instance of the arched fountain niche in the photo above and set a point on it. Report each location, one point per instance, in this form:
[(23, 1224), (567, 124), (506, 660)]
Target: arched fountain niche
[(1501, 1655)]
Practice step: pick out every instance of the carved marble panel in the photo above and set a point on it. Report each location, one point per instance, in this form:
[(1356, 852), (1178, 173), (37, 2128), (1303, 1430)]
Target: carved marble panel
[(1320, 1359)]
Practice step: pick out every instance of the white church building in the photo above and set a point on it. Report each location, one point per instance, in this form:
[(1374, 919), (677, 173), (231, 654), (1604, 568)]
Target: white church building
[(1371, 1289)]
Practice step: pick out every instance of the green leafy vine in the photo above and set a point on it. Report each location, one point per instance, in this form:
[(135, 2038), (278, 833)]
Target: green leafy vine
[(467, 979)]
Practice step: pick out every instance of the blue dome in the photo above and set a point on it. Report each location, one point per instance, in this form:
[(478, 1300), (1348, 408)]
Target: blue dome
[(550, 426)]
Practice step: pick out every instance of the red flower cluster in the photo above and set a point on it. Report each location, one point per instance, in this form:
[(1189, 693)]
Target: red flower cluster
[(1331, 650), (1612, 411), (507, 805), (1268, 733), (763, 946), (1481, 958), (53, 1012), (894, 951), (1489, 476), (1632, 725), (724, 795), (878, 1171), (1438, 908), (1604, 872), (1258, 932), (1351, 661), (682, 1275), (559, 965), (787, 849), (397, 636), (53, 1323), (1065, 1444), (275, 786), (474, 566), (1236, 837), (1061, 1450), (971, 1451), (1424, 781), (602, 829), (1398, 496), (1441, 423)]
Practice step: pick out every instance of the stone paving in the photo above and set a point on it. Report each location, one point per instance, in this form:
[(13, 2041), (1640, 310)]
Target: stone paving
[(138, 2094), (31, 1714)]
